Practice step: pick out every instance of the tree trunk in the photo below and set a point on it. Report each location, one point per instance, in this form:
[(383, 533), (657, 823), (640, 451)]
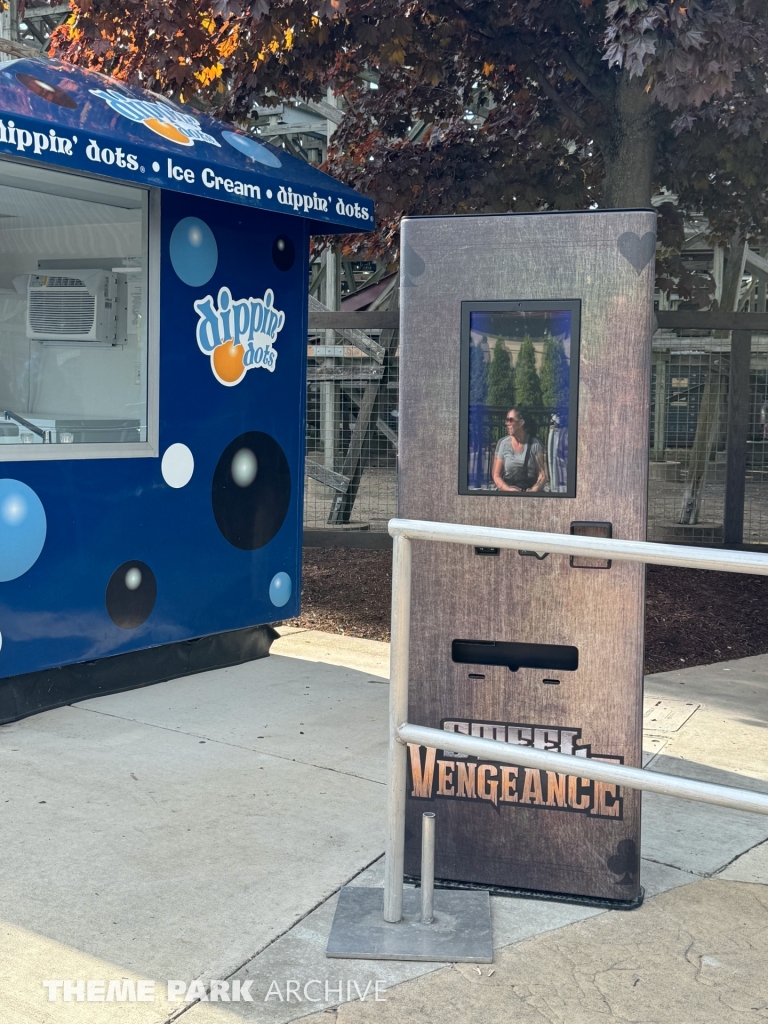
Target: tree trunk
[(629, 150)]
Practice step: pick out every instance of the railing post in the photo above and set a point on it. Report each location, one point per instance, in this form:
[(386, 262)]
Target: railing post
[(398, 714), (738, 434), (427, 867)]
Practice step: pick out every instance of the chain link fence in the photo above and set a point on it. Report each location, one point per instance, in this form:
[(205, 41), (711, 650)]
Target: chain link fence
[(352, 433), (690, 391), (352, 428)]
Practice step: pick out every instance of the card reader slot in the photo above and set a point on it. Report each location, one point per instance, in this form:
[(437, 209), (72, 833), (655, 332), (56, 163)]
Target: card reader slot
[(590, 529), (557, 657)]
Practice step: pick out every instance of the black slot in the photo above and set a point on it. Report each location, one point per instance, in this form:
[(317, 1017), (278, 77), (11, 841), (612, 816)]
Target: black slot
[(487, 551), (475, 675), (558, 657), (589, 529), (551, 682)]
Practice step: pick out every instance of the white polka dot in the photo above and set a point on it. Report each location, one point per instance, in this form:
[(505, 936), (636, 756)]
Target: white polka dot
[(245, 466), (14, 510), (155, 166), (133, 579), (178, 465)]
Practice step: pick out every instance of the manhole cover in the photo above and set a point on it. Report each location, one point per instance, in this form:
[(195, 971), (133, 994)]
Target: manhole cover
[(666, 716)]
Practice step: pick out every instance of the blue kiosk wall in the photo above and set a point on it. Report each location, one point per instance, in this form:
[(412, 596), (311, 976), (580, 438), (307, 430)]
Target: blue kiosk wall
[(137, 579)]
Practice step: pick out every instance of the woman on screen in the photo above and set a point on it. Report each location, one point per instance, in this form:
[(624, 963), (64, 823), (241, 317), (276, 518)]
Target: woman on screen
[(520, 462)]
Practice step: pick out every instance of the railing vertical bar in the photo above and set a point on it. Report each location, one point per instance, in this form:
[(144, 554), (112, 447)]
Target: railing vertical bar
[(739, 402), (427, 867), (398, 715)]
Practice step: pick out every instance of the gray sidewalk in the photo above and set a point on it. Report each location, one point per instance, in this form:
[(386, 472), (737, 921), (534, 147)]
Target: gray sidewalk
[(200, 829)]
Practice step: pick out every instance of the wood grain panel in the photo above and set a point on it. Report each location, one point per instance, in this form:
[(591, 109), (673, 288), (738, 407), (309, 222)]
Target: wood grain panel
[(460, 595)]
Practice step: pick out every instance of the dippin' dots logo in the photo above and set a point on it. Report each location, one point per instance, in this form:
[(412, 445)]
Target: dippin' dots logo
[(238, 336), (38, 142), (171, 124)]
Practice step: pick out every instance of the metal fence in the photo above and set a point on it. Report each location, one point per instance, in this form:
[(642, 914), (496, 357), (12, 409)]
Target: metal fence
[(689, 434), (708, 473), (352, 428)]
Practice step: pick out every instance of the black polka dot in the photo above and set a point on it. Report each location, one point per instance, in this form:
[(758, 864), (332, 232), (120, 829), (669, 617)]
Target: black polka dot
[(283, 252), (249, 516), (46, 91), (131, 594)]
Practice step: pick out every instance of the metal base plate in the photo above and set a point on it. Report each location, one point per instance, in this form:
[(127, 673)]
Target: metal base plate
[(460, 932)]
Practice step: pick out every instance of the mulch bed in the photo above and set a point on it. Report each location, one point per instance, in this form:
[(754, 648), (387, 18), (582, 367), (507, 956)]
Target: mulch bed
[(692, 617), (346, 591), (696, 617)]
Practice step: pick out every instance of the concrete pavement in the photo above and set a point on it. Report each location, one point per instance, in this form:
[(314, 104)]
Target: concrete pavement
[(200, 828), (695, 955)]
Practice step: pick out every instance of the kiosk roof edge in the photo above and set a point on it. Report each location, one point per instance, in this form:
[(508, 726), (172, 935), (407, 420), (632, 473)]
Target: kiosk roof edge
[(529, 213), (56, 114)]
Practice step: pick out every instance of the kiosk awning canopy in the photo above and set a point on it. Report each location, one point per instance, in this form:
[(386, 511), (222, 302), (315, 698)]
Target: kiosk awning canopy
[(60, 115)]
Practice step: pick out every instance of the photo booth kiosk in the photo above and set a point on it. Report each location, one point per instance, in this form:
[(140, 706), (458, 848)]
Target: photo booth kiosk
[(153, 320), (525, 354)]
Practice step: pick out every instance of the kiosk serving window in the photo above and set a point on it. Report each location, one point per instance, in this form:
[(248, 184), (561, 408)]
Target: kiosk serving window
[(73, 316), (519, 370)]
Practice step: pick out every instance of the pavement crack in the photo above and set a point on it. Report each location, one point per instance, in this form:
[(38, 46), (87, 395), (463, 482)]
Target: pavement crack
[(676, 867), (176, 1014), (738, 856), (698, 964), (229, 743)]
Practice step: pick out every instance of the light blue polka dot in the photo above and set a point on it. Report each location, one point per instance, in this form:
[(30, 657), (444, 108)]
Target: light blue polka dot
[(194, 253), (252, 149), (280, 589), (22, 529)]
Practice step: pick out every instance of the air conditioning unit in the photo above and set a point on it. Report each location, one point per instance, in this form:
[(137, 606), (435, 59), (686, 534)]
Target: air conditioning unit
[(72, 306)]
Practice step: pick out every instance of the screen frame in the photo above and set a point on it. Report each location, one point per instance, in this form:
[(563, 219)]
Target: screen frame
[(519, 306)]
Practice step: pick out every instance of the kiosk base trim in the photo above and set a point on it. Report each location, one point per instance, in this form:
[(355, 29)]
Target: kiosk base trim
[(33, 692), (447, 884)]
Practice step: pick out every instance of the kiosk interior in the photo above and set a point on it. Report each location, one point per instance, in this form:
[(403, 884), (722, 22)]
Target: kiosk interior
[(153, 279), (525, 361)]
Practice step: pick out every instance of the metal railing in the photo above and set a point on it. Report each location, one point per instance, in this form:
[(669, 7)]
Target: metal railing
[(402, 732)]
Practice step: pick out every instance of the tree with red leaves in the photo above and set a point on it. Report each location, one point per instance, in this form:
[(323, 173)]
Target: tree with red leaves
[(463, 106)]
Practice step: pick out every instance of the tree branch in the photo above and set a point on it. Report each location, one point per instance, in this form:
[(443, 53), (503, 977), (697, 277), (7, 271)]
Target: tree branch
[(14, 49), (519, 43), (565, 109), (602, 95), (523, 52)]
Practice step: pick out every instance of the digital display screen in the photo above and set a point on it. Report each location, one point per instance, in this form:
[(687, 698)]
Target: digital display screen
[(519, 388)]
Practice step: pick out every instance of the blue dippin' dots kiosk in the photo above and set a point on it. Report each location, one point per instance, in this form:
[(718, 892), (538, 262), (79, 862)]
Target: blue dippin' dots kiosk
[(153, 318)]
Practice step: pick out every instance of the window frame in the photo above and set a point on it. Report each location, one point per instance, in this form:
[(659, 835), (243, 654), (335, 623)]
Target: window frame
[(150, 225)]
